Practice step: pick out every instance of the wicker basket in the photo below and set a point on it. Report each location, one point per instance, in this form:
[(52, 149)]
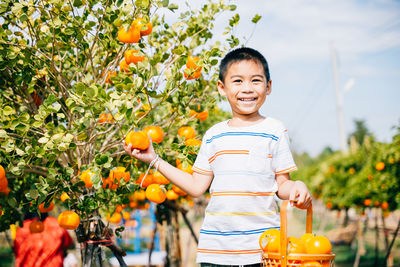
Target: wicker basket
[(295, 260)]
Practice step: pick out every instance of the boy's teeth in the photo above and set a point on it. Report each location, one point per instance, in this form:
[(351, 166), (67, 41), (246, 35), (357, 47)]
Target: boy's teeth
[(247, 99)]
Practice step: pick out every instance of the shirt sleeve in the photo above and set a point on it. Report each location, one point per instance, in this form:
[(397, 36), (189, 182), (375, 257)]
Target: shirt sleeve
[(282, 159), (202, 165)]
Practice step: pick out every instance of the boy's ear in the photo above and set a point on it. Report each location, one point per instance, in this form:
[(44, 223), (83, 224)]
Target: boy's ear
[(221, 88), (269, 87)]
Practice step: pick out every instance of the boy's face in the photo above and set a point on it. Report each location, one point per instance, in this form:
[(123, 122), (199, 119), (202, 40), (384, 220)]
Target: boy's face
[(246, 87)]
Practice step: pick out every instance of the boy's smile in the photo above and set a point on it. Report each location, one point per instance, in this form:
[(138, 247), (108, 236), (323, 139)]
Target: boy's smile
[(246, 87)]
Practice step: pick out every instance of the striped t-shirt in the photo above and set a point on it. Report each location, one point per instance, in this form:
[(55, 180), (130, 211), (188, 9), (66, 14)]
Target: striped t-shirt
[(244, 162)]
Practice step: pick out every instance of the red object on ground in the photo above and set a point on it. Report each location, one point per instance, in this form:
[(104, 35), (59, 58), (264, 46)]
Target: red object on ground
[(41, 249)]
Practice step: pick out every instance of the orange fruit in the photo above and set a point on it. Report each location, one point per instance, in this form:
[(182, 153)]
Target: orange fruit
[(178, 191), (172, 195), (133, 204), (130, 36), (370, 177), (148, 180), (105, 118), (139, 140), (305, 237), (329, 205), (158, 178), (186, 132), (36, 227), (139, 195), (68, 220), (295, 245), (144, 28), (311, 263), (318, 245), (132, 56), (202, 115), (2, 172), (115, 218), (380, 166), (42, 208), (126, 215), (155, 193), (191, 63), (377, 203), (64, 196), (352, 171), (367, 202), (112, 182), (270, 240), (192, 113), (192, 142), (3, 185), (119, 208), (110, 74), (155, 132), (187, 169), (123, 66), (192, 75), (86, 177), (385, 205)]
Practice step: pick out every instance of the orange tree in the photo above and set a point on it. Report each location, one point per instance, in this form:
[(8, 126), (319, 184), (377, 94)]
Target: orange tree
[(77, 76)]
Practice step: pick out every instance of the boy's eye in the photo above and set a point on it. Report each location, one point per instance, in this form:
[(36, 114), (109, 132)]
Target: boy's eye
[(237, 81), (257, 81)]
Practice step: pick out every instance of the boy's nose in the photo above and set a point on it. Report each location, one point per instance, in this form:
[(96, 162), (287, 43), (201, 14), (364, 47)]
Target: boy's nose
[(247, 87)]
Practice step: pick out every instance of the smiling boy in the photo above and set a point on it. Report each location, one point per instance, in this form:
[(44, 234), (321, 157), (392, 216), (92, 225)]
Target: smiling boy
[(244, 162)]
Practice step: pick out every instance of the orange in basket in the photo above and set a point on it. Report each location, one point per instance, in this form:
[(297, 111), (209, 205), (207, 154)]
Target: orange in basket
[(285, 258)]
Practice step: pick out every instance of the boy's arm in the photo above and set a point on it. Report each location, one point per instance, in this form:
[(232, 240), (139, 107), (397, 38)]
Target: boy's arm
[(294, 191), (194, 184)]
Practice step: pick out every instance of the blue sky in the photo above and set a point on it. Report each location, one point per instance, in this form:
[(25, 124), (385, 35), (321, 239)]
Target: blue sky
[(296, 37)]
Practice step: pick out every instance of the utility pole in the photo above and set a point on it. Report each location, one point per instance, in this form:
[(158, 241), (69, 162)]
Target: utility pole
[(339, 103)]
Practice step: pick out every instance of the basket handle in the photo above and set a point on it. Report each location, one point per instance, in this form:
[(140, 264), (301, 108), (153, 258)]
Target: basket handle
[(284, 229)]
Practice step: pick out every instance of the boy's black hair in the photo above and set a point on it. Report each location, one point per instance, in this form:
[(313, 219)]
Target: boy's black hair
[(239, 54)]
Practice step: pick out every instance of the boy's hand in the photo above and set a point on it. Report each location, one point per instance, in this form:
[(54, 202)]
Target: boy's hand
[(144, 155), (300, 196)]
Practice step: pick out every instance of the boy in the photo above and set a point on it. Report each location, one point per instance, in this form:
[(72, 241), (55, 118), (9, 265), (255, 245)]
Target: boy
[(244, 161)]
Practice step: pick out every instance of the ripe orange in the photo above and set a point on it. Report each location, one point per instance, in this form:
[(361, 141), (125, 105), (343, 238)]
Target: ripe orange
[(370, 177), (112, 182), (3, 185), (144, 28), (2, 172), (191, 63), (139, 140), (36, 227), (123, 66), (192, 113), (68, 220), (187, 169), (119, 208), (377, 203), (202, 116), (178, 191), (155, 132), (329, 205), (148, 180), (42, 208), (380, 166), (126, 215), (318, 245), (192, 75), (295, 245), (64, 196), (115, 218), (305, 237), (110, 74), (158, 178), (105, 118), (311, 263), (192, 142), (139, 195), (155, 193), (132, 56), (352, 171), (130, 36), (270, 240), (186, 132), (86, 177), (172, 195), (367, 202), (385, 205)]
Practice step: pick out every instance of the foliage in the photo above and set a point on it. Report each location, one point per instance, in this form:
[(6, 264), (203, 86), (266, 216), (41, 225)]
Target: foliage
[(55, 57), (347, 180)]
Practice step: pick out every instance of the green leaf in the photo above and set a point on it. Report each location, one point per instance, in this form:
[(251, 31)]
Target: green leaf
[(8, 110), (92, 91), (77, 3), (80, 88), (165, 3), (256, 18), (12, 202), (232, 7), (214, 62), (173, 7)]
